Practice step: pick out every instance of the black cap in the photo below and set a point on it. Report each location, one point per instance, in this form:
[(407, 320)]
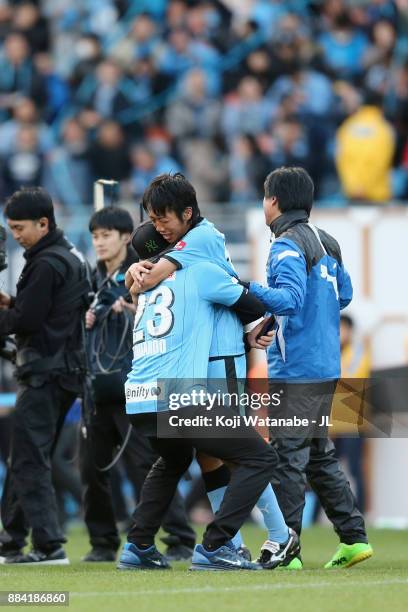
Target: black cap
[(147, 242)]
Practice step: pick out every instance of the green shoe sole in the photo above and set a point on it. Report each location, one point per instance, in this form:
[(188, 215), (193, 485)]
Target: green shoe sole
[(295, 564), (348, 555), (360, 557)]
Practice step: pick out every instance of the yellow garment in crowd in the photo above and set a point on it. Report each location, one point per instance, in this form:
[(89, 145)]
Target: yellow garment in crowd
[(364, 153)]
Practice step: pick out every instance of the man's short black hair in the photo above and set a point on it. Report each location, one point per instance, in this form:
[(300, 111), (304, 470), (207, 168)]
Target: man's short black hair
[(30, 203), (112, 218), (170, 193), (292, 187)]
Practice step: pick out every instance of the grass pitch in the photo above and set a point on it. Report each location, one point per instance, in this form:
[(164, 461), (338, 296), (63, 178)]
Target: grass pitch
[(379, 584)]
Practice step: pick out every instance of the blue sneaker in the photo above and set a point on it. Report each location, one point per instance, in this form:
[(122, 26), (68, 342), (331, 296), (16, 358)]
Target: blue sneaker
[(133, 558), (224, 558)]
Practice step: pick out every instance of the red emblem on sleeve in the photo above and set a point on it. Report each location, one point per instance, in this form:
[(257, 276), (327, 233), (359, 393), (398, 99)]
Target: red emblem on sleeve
[(180, 245)]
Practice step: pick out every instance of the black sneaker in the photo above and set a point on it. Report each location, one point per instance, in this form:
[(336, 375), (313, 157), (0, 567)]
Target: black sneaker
[(274, 554), (9, 550), (99, 555), (40, 557), (176, 550), (180, 552)]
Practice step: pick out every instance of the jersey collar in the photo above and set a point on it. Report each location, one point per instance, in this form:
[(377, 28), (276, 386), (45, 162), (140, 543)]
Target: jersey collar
[(287, 220)]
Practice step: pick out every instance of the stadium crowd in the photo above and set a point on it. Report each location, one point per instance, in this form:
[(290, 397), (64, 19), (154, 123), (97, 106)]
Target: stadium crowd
[(222, 90)]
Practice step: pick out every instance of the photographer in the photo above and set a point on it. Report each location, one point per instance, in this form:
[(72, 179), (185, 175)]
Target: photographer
[(46, 318), (110, 325)]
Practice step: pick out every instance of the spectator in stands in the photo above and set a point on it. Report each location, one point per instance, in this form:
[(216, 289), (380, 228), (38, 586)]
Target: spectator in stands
[(24, 166), (25, 112), (247, 111), (28, 21), (195, 114), (291, 43), (17, 72), (147, 82), (56, 88), (311, 91), (6, 15), (86, 57), (109, 93), (343, 48), (146, 165), (379, 59), (248, 168), (68, 174), (182, 52), (258, 65), (109, 156), (206, 162), (365, 150), (176, 11), (142, 42), (291, 145)]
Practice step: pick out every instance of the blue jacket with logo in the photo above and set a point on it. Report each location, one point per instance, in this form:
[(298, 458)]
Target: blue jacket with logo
[(307, 287)]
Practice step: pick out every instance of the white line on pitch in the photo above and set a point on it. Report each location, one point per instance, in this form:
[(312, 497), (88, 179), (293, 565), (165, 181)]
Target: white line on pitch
[(250, 587)]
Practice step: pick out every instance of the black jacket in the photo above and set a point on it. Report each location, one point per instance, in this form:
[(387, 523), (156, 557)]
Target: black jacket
[(34, 315)]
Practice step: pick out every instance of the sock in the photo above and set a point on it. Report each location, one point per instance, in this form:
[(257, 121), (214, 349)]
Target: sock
[(215, 486), (273, 517), (142, 546)]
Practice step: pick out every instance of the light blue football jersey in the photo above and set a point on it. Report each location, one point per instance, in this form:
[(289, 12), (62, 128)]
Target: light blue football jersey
[(205, 243), (172, 335)]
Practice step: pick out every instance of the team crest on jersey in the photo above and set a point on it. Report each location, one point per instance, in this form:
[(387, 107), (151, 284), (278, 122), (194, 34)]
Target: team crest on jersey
[(180, 245)]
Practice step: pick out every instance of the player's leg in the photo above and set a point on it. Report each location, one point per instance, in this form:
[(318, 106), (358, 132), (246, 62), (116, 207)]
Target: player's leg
[(216, 477), (254, 461), (175, 456), (278, 532), (333, 489), (139, 457), (223, 376), (230, 372)]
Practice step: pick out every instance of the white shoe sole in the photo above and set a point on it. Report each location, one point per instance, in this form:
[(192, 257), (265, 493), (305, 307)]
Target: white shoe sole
[(51, 562)]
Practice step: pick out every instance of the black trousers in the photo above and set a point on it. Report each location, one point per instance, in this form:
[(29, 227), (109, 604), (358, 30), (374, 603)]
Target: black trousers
[(108, 427), (28, 500), (311, 456), (254, 462)]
